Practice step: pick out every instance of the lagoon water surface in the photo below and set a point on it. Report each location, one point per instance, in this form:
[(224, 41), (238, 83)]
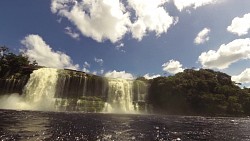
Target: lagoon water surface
[(33, 125)]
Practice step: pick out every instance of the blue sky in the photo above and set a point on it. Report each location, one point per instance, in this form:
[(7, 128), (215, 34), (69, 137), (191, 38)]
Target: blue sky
[(131, 38)]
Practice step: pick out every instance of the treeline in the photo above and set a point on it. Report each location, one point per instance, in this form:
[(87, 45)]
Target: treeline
[(199, 92), (12, 65)]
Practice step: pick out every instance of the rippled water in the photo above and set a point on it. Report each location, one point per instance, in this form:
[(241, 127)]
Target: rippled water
[(29, 125)]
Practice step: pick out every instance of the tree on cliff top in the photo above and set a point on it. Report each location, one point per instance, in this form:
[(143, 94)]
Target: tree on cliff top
[(11, 64)]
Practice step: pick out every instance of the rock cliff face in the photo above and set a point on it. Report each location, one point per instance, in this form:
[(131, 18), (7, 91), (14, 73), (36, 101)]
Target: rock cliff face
[(12, 85), (75, 84), (16, 82)]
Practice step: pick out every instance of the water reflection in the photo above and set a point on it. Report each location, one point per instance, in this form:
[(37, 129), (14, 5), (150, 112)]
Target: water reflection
[(73, 126), (120, 127), (23, 126)]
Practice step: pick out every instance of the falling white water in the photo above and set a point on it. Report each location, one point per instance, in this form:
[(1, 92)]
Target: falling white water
[(119, 96), (85, 85), (40, 90)]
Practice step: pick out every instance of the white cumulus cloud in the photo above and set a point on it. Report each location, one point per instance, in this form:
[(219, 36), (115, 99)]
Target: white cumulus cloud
[(99, 61), (71, 33), (240, 26), (111, 19), (101, 71), (119, 74), (148, 76), (98, 72), (226, 54), (172, 66), (86, 65), (150, 16), (244, 77), (37, 49), (98, 19), (182, 4), (119, 46), (202, 36), (86, 70)]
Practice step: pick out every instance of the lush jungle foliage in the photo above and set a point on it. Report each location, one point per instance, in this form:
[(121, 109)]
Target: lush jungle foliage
[(203, 92), (12, 65)]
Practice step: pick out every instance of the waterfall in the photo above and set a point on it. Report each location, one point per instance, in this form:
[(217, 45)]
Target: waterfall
[(140, 91), (119, 96), (85, 85), (69, 90), (74, 84), (41, 87)]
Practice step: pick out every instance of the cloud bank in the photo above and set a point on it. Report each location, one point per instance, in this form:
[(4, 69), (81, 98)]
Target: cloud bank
[(240, 26), (232, 52), (202, 36), (37, 49), (119, 74), (172, 67)]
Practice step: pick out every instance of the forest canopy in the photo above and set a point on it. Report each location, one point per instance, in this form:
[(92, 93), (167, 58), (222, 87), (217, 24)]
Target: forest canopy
[(12, 65), (199, 92)]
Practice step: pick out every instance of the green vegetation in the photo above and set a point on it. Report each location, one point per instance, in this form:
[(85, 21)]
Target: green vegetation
[(12, 65), (203, 92)]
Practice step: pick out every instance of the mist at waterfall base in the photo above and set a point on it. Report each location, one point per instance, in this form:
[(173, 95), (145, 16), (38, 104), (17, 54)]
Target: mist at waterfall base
[(50, 89), (18, 102), (15, 102), (37, 94)]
